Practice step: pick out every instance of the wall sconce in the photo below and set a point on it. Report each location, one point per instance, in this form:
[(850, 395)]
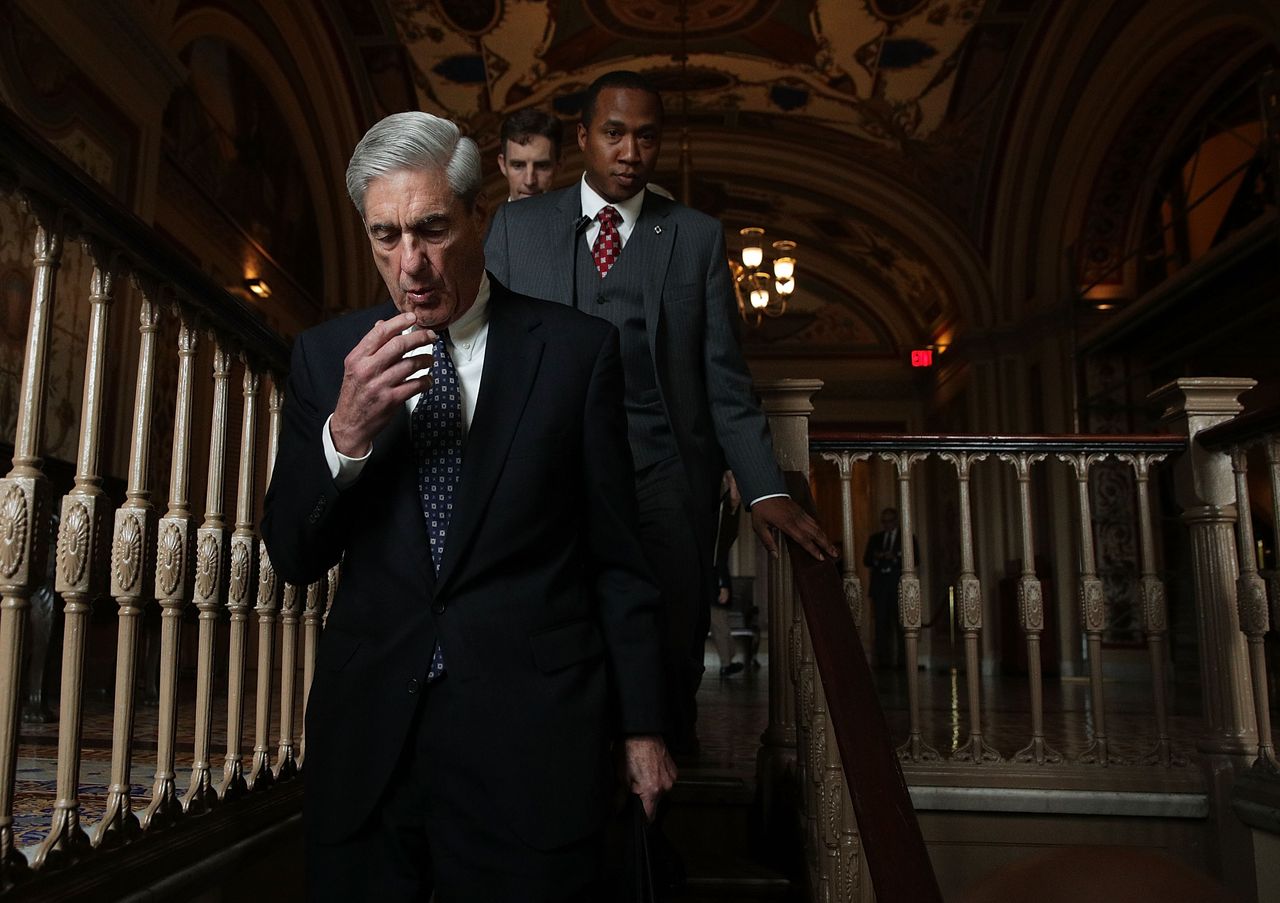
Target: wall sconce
[(258, 288)]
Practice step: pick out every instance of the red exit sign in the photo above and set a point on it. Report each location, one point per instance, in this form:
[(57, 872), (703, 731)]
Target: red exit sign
[(922, 357)]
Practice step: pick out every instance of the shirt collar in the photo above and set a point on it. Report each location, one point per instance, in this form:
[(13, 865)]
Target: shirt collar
[(629, 209), (469, 324)]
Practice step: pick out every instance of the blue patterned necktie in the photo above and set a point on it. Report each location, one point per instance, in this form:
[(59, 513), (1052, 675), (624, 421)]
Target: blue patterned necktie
[(437, 441)]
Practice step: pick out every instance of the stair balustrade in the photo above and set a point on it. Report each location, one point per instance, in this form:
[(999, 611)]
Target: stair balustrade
[(130, 554)]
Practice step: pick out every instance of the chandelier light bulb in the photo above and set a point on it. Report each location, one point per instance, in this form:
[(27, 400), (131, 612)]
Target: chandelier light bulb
[(752, 248), (759, 298), (784, 286)]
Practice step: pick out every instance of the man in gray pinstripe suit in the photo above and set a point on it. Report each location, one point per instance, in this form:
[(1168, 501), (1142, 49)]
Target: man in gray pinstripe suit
[(657, 270)]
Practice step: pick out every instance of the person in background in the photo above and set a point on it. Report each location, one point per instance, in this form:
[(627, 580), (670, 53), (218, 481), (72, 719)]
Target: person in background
[(530, 154), (658, 271), (722, 605)]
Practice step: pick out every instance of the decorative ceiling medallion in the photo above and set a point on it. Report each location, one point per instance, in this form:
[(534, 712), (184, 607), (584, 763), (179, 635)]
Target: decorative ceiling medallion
[(473, 17), (659, 19)]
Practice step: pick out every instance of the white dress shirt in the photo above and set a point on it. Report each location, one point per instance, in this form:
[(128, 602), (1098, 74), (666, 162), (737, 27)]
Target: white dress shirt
[(467, 339)]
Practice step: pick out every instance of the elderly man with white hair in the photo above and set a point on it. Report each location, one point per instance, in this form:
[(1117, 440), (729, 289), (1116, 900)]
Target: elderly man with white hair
[(492, 653)]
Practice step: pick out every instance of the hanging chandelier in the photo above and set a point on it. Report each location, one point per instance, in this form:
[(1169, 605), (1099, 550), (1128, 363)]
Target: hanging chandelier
[(762, 290)]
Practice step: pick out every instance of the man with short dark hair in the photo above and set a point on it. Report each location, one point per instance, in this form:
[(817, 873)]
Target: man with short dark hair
[(883, 559), (658, 271), (530, 152), (461, 449)]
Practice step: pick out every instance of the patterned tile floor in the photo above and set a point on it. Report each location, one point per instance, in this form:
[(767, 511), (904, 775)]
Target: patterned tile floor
[(38, 756)]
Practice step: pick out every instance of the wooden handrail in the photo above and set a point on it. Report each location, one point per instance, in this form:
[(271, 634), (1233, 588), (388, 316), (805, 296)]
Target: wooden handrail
[(39, 170), (896, 855), (836, 440)]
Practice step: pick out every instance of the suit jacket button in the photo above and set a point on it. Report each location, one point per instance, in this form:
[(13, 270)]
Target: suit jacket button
[(438, 606), (412, 686)]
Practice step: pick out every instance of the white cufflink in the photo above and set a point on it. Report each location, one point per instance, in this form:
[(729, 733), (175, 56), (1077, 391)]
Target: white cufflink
[(657, 230)]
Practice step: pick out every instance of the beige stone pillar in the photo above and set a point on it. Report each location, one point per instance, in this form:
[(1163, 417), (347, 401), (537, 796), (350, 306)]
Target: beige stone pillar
[(1206, 493), (788, 404)]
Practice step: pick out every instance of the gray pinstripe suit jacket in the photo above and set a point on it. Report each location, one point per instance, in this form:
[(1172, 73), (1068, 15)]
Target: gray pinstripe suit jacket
[(690, 316)]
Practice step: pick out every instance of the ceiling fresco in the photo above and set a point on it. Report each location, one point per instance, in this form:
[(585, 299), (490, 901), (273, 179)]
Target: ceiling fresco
[(880, 70), (902, 84)]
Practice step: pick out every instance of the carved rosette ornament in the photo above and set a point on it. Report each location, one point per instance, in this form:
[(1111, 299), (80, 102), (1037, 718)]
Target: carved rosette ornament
[(241, 564), (267, 584), (170, 555), (909, 601), (806, 693), (848, 882), (833, 810), (818, 747), (126, 564), (74, 537), (1092, 604), (853, 597), (1154, 607), (1251, 596), (970, 602), (1030, 604), (14, 526), (208, 553)]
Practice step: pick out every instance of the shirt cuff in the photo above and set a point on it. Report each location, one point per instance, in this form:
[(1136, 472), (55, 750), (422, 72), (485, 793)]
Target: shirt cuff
[(776, 495), (343, 469)]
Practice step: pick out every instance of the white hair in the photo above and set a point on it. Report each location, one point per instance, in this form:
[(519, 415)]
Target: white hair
[(415, 140)]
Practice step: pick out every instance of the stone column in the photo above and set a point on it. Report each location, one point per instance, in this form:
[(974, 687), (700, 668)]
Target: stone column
[(1206, 493), (787, 403)]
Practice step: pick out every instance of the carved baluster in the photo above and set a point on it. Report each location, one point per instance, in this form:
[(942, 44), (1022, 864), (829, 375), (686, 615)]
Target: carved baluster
[(909, 614), (787, 403), (1093, 608), (334, 577), (131, 581), (1251, 598), (82, 552), (173, 568), (1155, 610), (310, 638), (1031, 613), (25, 506), (210, 575), (853, 594), (241, 579), (268, 600), (1272, 445), (975, 750), (1273, 465), (287, 754)]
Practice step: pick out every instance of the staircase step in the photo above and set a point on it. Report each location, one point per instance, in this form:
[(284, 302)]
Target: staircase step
[(733, 878)]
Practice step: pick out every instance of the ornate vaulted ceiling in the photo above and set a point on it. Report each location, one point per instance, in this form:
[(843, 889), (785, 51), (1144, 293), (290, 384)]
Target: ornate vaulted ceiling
[(796, 109)]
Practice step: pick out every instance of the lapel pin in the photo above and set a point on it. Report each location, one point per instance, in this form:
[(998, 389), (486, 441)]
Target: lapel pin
[(657, 230)]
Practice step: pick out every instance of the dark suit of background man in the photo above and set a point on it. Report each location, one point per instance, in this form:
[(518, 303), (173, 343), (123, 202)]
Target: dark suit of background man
[(495, 625), (883, 558), (657, 270)]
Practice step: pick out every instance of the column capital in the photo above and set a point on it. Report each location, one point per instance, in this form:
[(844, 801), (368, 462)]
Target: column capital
[(1193, 405), (787, 396)]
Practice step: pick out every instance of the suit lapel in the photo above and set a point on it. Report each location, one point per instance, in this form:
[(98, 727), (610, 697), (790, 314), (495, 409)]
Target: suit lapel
[(656, 235), (565, 240), (511, 361)]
